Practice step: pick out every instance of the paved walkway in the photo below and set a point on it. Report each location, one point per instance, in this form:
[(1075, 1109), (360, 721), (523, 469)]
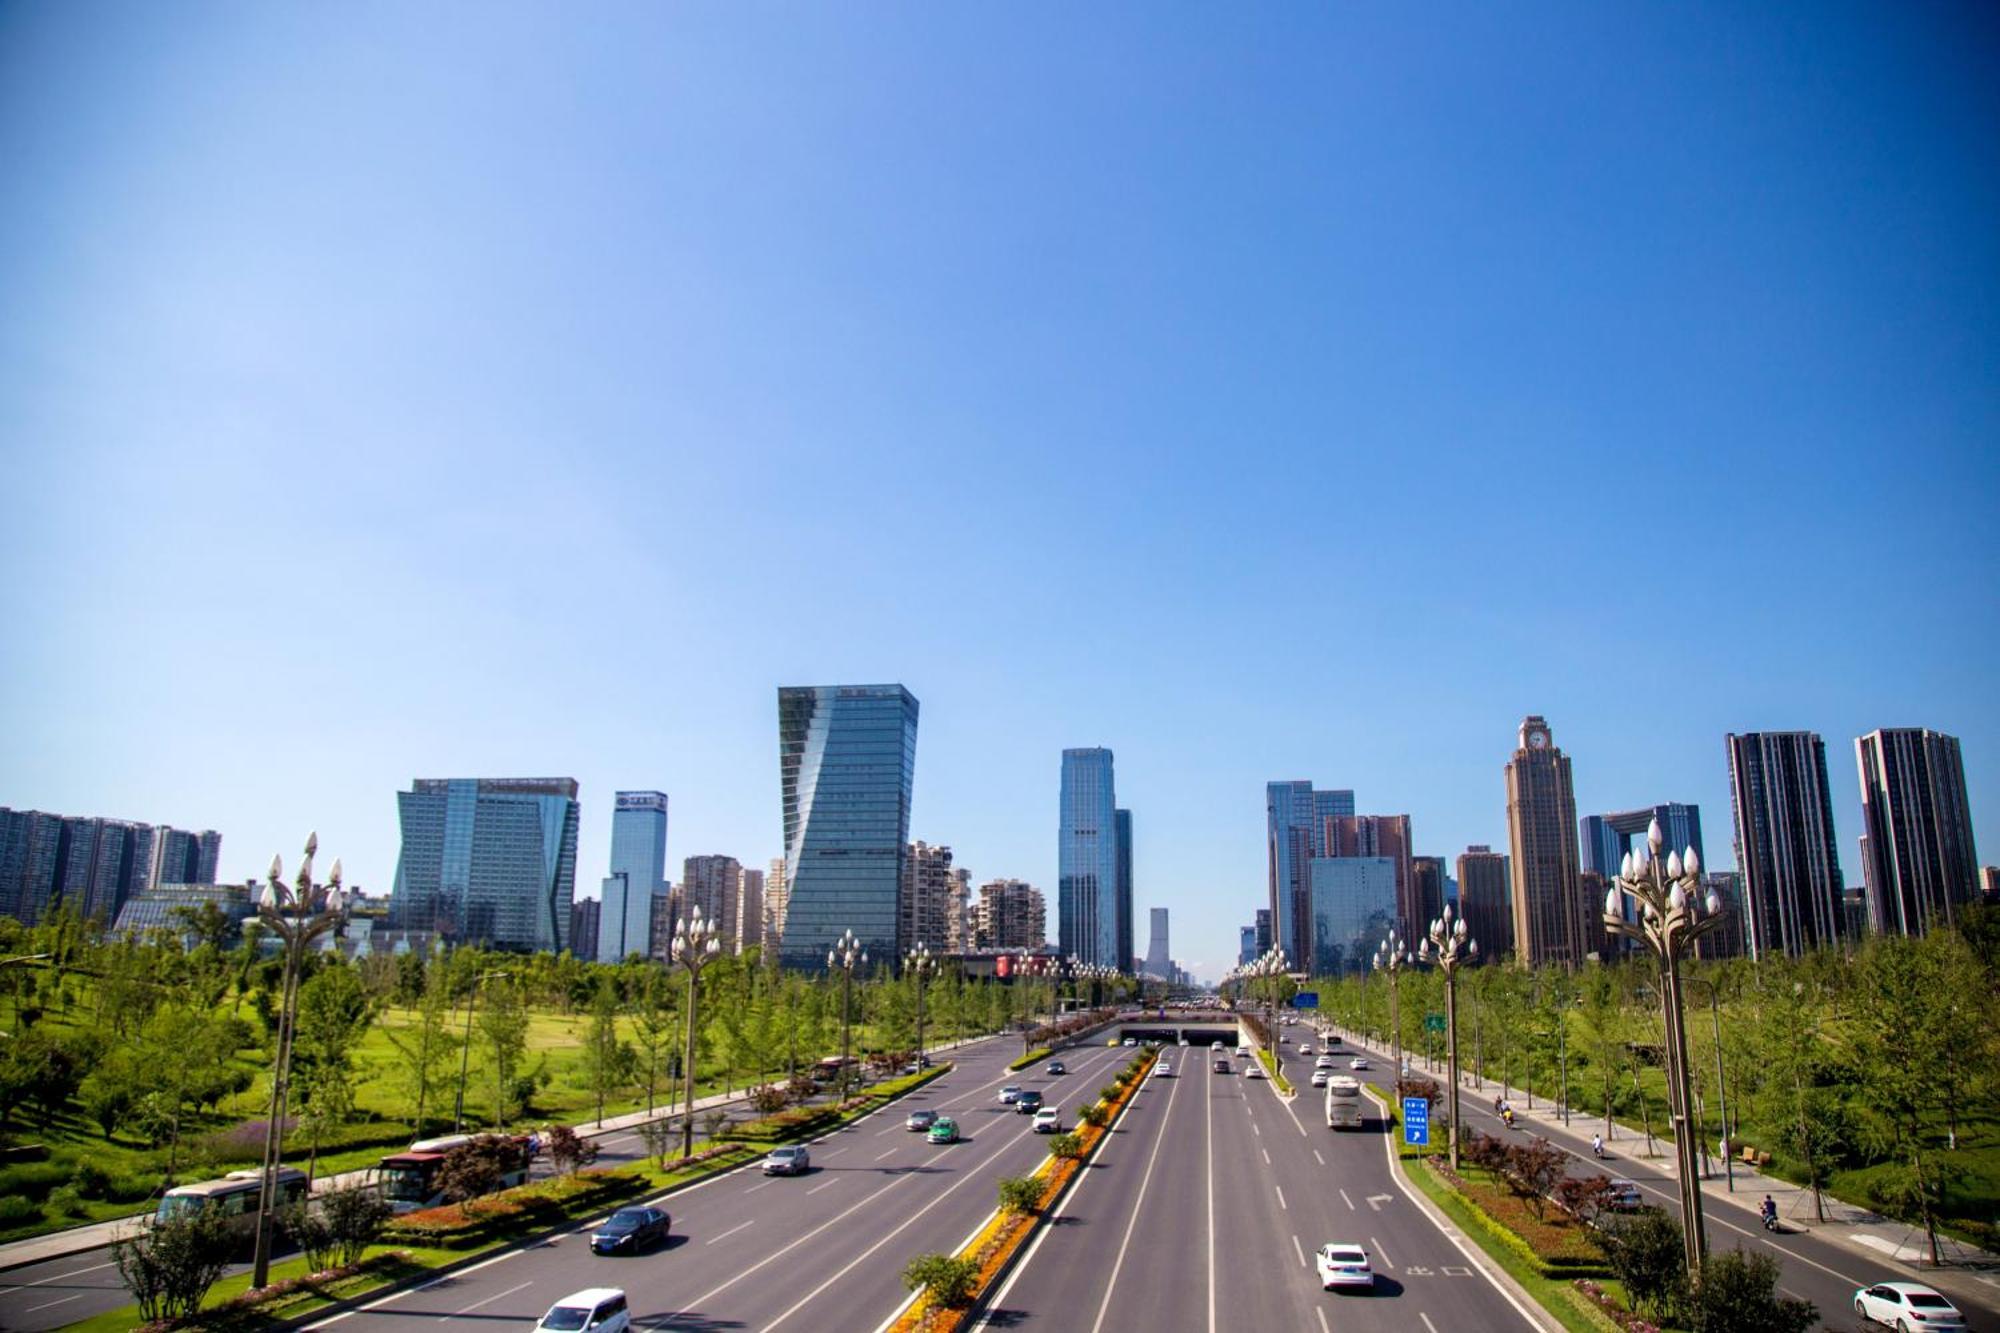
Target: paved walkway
[(97, 1235)]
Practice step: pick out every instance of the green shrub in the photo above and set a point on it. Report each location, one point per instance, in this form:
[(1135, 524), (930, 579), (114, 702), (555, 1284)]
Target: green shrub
[(1109, 1092), (1019, 1194), (32, 1180), (65, 1201), (14, 1210), (91, 1181), (1093, 1114), (946, 1280), (1065, 1145), (170, 1265)]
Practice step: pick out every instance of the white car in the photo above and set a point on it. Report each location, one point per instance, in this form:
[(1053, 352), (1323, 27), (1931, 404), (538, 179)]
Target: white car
[(1163, 1070), (1320, 1076), (1324, 1062), (1305, 1048), (1255, 1071), (1131, 1041), (599, 1309), (1343, 1265), (1906, 1307), (1048, 1120), (1009, 1095), (1358, 1062)]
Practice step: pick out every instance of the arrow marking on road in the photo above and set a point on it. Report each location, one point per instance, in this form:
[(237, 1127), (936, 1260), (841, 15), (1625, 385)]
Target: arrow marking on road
[(1376, 1201)]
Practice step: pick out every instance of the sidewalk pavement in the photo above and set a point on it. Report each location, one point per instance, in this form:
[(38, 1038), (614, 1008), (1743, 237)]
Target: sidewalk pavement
[(1868, 1234), (97, 1235)]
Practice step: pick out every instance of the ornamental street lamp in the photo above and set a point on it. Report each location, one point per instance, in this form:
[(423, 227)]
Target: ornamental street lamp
[(1669, 922), (846, 954), (465, 1046), (1447, 947), (1721, 1088), (919, 963), (695, 945), (298, 915), (1266, 971), (1392, 956)]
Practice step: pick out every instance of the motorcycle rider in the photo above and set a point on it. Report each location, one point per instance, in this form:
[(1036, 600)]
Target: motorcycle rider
[(1768, 1210), (1597, 1144)]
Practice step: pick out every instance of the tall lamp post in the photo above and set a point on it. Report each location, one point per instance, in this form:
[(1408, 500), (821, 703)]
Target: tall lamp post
[(465, 1045), (1669, 922), (695, 945), (846, 954), (298, 915), (1447, 947), (1392, 956), (919, 963), (1721, 1088), (1266, 971)]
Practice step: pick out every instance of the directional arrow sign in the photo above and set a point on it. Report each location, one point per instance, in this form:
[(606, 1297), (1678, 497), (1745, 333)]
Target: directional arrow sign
[(1416, 1121), (1376, 1201)]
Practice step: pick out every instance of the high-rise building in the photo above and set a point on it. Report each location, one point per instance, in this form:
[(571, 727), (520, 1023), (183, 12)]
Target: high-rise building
[(1784, 842), (1295, 821), (1920, 865), (1353, 910), (638, 875), (1246, 948), (1604, 839), (488, 861), (959, 922), (94, 865), (1087, 861), (1727, 940), (1989, 883), (847, 757), (1386, 836), (749, 909), (1484, 899), (1012, 914), (713, 886), (1428, 890), (775, 899), (1159, 957), (661, 914), (1550, 923), (924, 905), (1265, 936), (1123, 821), (585, 914)]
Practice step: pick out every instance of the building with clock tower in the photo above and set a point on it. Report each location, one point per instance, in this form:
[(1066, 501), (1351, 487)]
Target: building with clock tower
[(1551, 921)]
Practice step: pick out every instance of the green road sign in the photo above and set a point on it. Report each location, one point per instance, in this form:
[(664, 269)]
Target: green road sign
[(1434, 1022)]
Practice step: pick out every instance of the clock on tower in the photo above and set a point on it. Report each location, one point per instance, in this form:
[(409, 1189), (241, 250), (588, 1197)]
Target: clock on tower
[(1534, 734)]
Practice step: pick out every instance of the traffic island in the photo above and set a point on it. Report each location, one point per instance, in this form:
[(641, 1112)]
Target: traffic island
[(950, 1288)]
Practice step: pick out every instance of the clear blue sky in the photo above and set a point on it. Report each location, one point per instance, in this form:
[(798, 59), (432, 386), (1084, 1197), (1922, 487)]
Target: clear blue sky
[(1301, 391)]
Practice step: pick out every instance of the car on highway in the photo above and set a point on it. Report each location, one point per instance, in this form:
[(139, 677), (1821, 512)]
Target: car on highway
[(791, 1161), (1305, 1048), (1184, 1040), (1056, 1067), (599, 1309), (1028, 1102), (943, 1130), (1906, 1307), (1221, 1065), (1343, 1265), (1048, 1120), (1622, 1196), (1243, 1052), (1163, 1070), (1320, 1076), (1131, 1041), (1255, 1071), (921, 1119), (1358, 1062), (1324, 1062), (1009, 1093), (630, 1230)]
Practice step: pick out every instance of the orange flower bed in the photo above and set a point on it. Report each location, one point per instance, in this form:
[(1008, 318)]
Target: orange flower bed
[(1004, 1233)]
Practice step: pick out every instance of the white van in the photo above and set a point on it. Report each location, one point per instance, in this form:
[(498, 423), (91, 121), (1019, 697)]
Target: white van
[(596, 1309)]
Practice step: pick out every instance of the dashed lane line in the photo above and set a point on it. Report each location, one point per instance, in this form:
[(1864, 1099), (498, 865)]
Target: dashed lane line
[(1299, 1249), (727, 1234), (1281, 1199), (488, 1301)]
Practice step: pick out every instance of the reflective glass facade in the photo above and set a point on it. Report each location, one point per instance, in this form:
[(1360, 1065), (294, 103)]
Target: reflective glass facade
[(1295, 816), (638, 874), (488, 861), (1353, 910), (847, 757), (1087, 877)]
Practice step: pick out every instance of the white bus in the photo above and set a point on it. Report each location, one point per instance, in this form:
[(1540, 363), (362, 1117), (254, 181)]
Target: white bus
[(1343, 1103)]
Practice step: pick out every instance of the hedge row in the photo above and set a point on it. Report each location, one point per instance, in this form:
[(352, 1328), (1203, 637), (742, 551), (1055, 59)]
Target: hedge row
[(1032, 1058), (548, 1203)]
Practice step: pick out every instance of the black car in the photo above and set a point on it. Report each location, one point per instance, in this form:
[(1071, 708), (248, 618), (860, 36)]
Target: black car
[(1028, 1102), (1056, 1067), (630, 1230)]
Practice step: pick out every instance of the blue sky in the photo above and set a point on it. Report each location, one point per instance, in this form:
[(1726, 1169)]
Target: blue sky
[(1302, 391)]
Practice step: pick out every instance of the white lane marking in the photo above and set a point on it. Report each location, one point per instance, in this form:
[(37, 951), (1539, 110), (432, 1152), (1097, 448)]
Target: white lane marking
[(1281, 1199), (727, 1234), (1267, 1155), (890, 1153), (827, 1186), (1300, 1250), (1427, 1321), (488, 1301), (1138, 1205), (1254, 1130), (1318, 1158), (1211, 1212), (1349, 1202), (1378, 1252), (835, 1153), (59, 1277), (765, 1185), (61, 1300), (1321, 1312)]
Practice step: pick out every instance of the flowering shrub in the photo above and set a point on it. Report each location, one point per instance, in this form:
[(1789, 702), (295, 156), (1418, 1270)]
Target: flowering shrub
[(1613, 1311)]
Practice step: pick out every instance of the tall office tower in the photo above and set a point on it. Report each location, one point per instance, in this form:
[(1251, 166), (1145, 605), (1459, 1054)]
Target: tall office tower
[(1354, 908), (1989, 883), (1246, 946), (661, 914), (184, 857), (1920, 864), (713, 885), (1728, 939), (488, 861), (1484, 900), (1265, 936), (1087, 861), (1549, 911), (959, 928), (1428, 891), (1159, 958), (1784, 842), (775, 899), (847, 759), (585, 916), (1295, 817), (749, 909), (1381, 835), (1012, 914), (1123, 822), (1604, 839), (638, 875), (923, 907)]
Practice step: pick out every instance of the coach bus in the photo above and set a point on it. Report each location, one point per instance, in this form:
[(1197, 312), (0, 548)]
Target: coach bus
[(410, 1178), (235, 1196), (1343, 1103)]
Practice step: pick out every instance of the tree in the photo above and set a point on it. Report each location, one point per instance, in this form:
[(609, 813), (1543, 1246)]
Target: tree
[(568, 1150), (425, 1049), (1738, 1293), (656, 1025), (477, 1168), (661, 1137), (207, 922), (607, 1061), (503, 1028), (334, 1012), (1019, 1194), (946, 1280), (170, 1265), (1646, 1252), (355, 1215)]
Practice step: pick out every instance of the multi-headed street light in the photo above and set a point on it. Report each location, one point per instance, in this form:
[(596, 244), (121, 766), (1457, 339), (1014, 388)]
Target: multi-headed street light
[(921, 965), (1266, 971), (1392, 955), (298, 915), (1669, 922), (1447, 946), (696, 942), (846, 954)]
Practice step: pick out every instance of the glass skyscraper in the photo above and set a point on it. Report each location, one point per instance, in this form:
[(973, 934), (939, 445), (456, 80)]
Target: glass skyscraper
[(1295, 816), (489, 861), (1353, 909), (1792, 889), (1087, 862), (847, 758), (1604, 839), (638, 874), (1126, 958)]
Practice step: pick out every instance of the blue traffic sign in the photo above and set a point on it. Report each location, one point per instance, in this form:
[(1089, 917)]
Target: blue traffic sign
[(1417, 1121), (1306, 999)]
